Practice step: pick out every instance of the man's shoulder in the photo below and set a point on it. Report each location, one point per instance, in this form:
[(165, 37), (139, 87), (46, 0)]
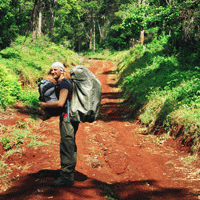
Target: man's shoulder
[(65, 83), (66, 80)]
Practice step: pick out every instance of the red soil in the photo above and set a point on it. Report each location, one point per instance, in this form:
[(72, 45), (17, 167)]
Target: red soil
[(115, 160)]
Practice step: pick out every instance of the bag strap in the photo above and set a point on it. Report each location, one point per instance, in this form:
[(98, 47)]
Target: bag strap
[(68, 110)]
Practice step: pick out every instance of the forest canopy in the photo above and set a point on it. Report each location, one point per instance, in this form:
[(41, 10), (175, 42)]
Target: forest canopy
[(92, 25)]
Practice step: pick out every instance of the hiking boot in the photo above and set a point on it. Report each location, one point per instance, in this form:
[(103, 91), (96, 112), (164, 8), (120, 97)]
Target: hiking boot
[(62, 182)]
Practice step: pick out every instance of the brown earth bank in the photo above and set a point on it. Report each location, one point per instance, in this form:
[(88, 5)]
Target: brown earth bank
[(115, 160)]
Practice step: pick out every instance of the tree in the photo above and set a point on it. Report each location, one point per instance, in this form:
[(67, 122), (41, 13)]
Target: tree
[(51, 18), (90, 24), (67, 25), (14, 17)]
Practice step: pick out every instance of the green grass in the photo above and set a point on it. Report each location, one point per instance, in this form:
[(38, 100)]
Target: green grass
[(9, 87), (12, 141), (190, 159), (35, 144), (10, 152), (4, 168), (161, 89)]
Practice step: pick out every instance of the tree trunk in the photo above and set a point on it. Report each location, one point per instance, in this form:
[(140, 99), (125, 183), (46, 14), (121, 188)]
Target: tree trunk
[(100, 33), (142, 37), (34, 20), (94, 33), (90, 39), (79, 44), (104, 29), (51, 25), (40, 20)]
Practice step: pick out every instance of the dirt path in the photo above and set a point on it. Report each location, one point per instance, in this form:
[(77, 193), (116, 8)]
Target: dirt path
[(115, 161)]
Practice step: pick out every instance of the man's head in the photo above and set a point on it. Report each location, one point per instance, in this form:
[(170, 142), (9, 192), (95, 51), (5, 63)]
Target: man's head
[(58, 65), (57, 71)]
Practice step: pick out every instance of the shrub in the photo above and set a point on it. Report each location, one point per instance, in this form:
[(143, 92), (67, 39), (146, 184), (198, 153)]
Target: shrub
[(30, 97), (6, 143), (10, 87)]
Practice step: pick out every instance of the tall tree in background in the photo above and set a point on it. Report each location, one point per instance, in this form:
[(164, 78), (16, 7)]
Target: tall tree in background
[(37, 16), (14, 17), (35, 19), (107, 19), (88, 18), (97, 17), (67, 26), (51, 18), (40, 18)]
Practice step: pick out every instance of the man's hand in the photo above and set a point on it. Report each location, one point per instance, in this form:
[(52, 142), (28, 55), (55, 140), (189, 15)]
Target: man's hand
[(42, 105)]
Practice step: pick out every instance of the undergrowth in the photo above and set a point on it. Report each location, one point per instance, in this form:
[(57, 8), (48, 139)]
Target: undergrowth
[(13, 138), (16, 138), (161, 89)]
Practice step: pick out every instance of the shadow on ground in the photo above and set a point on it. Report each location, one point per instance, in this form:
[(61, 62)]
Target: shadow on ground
[(39, 184)]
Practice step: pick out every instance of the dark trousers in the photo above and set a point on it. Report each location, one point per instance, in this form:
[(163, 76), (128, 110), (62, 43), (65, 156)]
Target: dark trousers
[(68, 149)]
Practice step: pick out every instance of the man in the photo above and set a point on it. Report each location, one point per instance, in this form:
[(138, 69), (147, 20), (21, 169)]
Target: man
[(67, 129)]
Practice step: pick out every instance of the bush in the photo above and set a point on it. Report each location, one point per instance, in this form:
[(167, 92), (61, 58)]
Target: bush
[(10, 87), (6, 143), (30, 97)]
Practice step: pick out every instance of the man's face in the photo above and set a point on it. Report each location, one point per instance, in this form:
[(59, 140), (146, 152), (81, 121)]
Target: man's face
[(55, 72)]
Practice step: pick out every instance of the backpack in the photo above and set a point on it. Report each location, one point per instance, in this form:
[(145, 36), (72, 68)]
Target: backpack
[(86, 95), (47, 92)]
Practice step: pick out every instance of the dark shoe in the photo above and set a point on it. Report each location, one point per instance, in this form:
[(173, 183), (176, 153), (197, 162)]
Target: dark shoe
[(62, 182)]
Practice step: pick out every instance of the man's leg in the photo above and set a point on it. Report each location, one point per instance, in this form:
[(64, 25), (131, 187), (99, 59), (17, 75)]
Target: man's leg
[(68, 151), (68, 147)]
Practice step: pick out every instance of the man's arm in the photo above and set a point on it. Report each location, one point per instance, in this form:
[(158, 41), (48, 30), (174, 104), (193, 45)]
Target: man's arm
[(56, 104)]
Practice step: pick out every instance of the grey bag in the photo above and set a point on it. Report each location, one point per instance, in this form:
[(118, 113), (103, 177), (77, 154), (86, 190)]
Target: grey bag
[(86, 95), (47, 91)]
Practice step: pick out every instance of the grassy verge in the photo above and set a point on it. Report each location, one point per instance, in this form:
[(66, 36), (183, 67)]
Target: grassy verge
[(162, 89)]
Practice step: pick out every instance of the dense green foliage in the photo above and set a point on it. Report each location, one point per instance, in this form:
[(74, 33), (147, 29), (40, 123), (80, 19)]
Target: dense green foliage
[(9, 87), (94, 24), (14, 20)]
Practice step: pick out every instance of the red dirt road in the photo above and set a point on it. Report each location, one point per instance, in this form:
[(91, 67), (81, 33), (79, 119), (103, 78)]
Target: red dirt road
[(115, 161)]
